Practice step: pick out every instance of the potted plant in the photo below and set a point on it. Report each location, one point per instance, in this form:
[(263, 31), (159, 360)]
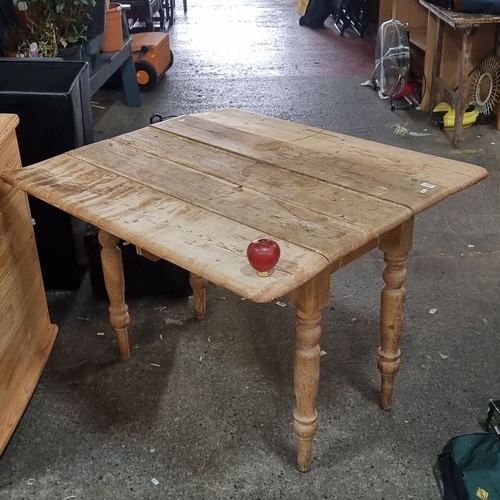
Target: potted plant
[(31, 41), (113, 32), (57, 27)]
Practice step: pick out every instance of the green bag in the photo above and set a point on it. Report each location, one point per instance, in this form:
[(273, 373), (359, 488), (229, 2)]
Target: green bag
[(470, 467)]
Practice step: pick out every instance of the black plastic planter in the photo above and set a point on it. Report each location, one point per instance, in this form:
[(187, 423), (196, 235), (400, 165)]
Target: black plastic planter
[(52, 99), (97, 20)]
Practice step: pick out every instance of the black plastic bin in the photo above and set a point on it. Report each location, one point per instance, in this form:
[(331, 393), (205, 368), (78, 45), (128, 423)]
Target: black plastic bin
[(52, 99)]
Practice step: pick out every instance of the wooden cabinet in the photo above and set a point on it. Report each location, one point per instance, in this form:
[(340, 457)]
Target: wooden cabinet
[(26, 335)]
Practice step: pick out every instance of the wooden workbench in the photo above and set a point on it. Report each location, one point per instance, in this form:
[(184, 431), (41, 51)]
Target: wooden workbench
[(460, 19), (458, 59), (460, 42)]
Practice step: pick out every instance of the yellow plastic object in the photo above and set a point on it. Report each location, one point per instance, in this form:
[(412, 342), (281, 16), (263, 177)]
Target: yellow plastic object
[(444, 115), (302, 6)]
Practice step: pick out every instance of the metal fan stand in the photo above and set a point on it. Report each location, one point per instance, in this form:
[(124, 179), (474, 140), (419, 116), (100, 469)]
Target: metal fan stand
[(353, 14)]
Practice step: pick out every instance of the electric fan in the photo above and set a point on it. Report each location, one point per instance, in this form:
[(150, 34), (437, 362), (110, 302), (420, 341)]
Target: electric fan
[(392, 61)]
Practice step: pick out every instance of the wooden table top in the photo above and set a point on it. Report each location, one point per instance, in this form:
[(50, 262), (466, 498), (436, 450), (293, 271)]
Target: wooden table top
[(460, 19), (196, 190)]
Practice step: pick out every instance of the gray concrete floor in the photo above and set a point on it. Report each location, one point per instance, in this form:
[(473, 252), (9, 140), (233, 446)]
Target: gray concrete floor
[(213, 420)]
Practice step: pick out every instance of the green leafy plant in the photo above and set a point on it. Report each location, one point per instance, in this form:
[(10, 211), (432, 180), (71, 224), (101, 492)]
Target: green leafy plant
[(56, 24), (19, 41)]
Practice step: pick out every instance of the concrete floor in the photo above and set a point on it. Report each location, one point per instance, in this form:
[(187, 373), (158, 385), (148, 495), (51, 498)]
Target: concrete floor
[(213, 420)]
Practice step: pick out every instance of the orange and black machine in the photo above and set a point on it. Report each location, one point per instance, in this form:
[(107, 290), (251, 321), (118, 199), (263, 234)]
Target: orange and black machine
[(152, 56)]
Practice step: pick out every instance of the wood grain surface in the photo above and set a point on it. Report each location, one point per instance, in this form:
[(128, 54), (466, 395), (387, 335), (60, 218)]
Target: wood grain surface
[(26, 335), (460, 19), (196, 190)]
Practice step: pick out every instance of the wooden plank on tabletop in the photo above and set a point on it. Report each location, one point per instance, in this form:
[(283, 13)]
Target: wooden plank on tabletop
[(357, 174), (243, 181), (293, 132), (202, 242), (362, 153), (289, 221), (368, 168)]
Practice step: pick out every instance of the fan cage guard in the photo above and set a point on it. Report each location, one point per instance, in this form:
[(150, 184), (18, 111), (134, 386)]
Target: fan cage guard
[(392, 57)]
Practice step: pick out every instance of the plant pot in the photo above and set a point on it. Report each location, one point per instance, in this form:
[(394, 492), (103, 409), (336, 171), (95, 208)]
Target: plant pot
[(73, 53), (113, 33)]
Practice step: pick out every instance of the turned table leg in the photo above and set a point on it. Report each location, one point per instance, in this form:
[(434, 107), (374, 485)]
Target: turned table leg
[(112, 265), (396, 246), (199, 285), (308, 300)]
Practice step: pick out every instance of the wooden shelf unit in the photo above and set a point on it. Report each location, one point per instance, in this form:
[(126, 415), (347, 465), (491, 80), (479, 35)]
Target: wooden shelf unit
[(409, 12), (418, 37)]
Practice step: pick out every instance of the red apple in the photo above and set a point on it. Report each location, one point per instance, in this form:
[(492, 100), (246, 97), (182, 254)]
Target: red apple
[(263, 255)]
